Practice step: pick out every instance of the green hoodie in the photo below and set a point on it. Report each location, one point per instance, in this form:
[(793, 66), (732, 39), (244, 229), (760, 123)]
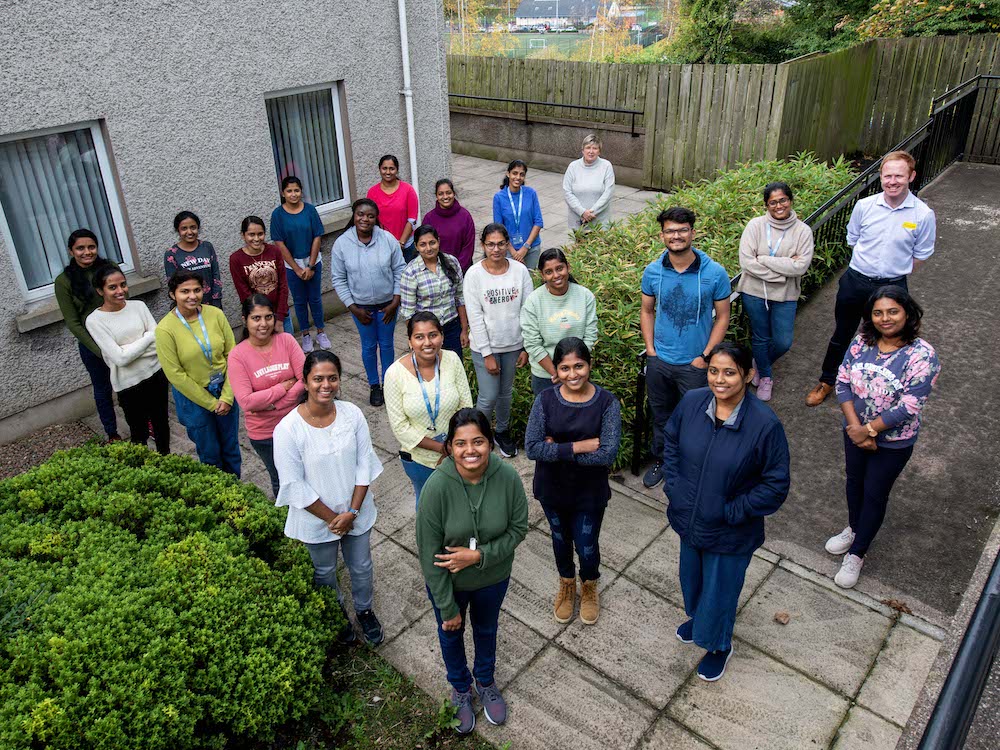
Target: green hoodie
[(445, 519)]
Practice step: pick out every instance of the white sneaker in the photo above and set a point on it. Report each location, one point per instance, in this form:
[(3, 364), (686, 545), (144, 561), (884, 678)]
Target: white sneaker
[(850, 569), (307, 343), (839, 544)]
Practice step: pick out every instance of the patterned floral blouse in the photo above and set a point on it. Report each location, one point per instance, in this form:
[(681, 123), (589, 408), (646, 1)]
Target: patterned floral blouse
[(893, 386)]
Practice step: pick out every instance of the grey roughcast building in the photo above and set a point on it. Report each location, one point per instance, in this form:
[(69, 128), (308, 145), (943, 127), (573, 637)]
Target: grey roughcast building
[(118, 115)]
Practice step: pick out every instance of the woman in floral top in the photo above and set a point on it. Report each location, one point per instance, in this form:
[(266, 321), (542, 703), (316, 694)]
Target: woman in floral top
[(882, 386)]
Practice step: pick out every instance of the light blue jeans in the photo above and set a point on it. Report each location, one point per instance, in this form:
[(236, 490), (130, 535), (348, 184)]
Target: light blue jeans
[(496, 391), (357, 553), (772, 325)]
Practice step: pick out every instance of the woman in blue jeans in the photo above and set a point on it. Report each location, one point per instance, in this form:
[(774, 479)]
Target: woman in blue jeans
[(366, 266), (297, 230), (775, 252), (572, 436)]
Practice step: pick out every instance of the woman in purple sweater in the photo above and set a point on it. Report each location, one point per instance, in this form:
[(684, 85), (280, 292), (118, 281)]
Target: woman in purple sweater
[(453, 223), (883, 383)]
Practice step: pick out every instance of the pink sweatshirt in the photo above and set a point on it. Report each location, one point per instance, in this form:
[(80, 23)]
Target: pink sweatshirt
[(256, 380)]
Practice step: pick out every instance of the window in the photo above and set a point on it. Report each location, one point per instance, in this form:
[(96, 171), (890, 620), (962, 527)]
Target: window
[(52, 182), (308, 142)]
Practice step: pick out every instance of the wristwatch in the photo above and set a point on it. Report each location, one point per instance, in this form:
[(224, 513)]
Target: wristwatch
[(871, 430), (354, 511)]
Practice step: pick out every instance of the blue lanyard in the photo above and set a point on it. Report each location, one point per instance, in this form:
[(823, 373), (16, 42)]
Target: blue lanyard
[(517, 212), (774, 250), (433, 414), (206, 348)]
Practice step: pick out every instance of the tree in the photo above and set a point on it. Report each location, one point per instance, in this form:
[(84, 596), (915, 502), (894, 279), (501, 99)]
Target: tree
[(899, 18), (825, 25)]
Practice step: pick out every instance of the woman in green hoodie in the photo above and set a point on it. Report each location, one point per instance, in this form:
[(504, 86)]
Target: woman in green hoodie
[(473, 513)]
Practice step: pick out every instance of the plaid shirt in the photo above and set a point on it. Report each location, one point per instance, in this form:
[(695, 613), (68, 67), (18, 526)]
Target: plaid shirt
[(421, 289)]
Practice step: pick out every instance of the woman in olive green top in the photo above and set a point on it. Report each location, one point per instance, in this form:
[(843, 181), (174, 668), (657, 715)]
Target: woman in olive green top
[(77, 299), (473, 513), (193, 342)]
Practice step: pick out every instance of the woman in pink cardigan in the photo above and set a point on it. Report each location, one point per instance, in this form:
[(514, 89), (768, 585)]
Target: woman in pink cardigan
[(265, 370)]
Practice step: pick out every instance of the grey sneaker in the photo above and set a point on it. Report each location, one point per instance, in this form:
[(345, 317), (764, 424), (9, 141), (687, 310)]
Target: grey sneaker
[(307, 343), (494, 706), (765, 388), (463, 711), (323, 341), (371, 627), (653, 475)]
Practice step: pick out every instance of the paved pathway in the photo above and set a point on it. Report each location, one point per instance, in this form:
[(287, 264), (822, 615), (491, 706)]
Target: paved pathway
[(843, 673)]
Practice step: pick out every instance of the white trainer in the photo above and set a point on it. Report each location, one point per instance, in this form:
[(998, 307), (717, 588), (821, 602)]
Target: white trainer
[(849, 571), (839, 544)]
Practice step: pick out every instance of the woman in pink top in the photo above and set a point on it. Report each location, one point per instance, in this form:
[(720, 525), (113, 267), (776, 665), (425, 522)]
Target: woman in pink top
[(398, 207), (265, 370)]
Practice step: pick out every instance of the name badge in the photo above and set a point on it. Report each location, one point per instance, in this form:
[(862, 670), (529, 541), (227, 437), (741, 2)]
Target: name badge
[(909, 225)]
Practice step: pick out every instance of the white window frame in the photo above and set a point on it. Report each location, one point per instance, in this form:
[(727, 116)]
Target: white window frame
[(110, 189), (334, 88)]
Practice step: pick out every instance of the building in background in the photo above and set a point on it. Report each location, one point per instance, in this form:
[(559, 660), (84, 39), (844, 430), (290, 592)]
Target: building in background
[(119, 115), (559, 13)]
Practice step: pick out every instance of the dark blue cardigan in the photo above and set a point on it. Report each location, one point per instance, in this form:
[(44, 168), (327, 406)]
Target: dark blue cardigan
[(721, 482)]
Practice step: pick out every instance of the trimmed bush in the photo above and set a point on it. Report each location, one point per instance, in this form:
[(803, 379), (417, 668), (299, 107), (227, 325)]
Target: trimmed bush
[(610, 260), (151, 602)]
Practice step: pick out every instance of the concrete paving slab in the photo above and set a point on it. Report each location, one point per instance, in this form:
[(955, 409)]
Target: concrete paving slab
[(559, 703), (900, 671), (669, 735), (863, 730), (417, 652), (628, 528), (828, 637), (655, 663), (759, 703)]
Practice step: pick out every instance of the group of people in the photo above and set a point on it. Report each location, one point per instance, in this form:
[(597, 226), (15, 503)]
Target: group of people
[(719, 450)]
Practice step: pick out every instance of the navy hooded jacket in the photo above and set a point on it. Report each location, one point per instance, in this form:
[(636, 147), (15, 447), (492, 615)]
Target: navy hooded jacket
[(721, 482)]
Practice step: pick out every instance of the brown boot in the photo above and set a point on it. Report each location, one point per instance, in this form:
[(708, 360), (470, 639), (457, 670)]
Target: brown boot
[(565, 600), (818, 394), (590, 603)]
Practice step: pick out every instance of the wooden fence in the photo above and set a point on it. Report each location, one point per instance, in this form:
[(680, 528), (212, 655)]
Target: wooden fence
[(701, 118)]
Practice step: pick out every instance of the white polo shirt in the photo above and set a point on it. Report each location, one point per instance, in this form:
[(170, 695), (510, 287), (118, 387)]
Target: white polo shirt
[(886, 240)]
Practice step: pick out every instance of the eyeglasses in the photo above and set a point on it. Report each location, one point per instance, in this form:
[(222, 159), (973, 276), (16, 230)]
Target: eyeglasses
[(779, 202), (495, 245), (675, 232)]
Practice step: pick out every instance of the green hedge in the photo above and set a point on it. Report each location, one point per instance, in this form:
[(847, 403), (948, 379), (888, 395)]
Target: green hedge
[(610, 260), (151, 602)]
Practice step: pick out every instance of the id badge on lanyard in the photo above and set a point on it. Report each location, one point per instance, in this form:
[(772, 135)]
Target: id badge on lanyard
[(516, 238), (432, 414)]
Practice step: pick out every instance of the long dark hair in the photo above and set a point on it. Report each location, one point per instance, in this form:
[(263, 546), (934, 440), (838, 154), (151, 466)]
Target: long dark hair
[(737, 352), (571, 345), (102, 275), (914, 314), (448, 263), (423, 316), (356, 205), (554, 253), (254, 300), (291, 180), (464, 416), (179, 278), (79, 284), (515, 163), (313, 358)]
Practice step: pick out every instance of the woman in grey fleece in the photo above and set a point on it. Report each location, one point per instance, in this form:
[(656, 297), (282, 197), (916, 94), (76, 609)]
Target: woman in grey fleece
[(589, 186)]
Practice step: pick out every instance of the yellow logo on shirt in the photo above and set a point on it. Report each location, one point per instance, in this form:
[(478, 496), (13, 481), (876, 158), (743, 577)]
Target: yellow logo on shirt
[(909, 225)]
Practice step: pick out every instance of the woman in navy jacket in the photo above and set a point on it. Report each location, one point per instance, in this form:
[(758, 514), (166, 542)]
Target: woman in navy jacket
[(726, 467)]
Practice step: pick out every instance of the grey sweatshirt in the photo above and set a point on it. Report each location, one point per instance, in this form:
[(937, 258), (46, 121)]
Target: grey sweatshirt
[(589, 188), (776, 278)]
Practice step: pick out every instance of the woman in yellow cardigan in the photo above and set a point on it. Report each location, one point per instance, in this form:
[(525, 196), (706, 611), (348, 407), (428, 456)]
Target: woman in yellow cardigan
[(193, 342)]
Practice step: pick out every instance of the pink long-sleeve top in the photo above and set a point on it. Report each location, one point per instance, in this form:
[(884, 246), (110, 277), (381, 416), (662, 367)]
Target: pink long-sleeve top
[(257, 380)]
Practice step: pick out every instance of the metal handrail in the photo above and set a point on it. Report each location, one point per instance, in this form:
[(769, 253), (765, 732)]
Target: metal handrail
[(951, 92), (526, 102)]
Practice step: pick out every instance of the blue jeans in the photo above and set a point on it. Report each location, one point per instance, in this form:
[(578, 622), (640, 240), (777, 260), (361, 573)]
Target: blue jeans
[(265, 449), (100, 379), (453, 336), (287, 324), (307, 296), (483, 606), (711, 584), (583, 529), (496, 391), (418, 474), (217, 439), (357, 551), (376, 339), (540, 385), (772, 326)]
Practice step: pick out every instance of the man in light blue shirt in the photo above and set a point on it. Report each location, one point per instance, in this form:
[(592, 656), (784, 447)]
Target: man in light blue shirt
[(892, 234)]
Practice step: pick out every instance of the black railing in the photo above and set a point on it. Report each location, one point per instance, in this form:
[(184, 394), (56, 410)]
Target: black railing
[(526, 102), (936, 144)]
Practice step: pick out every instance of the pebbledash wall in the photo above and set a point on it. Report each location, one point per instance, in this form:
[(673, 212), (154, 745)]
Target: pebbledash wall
[(178, 92)]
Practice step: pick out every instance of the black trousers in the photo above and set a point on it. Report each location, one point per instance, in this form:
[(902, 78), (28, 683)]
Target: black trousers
[(145, 403), (852, 294), (665, 384), (870, 476)]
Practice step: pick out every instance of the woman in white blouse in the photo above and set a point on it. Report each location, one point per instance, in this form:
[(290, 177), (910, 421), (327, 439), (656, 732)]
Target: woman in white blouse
[(326, 462)]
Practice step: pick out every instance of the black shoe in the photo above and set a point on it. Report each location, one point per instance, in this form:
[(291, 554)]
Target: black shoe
[(376, 398), (508, 448), (653, 476), (346, 635), (371, 626)]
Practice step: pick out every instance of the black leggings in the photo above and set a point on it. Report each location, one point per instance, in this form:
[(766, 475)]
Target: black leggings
[(146, 403), (870, 476)]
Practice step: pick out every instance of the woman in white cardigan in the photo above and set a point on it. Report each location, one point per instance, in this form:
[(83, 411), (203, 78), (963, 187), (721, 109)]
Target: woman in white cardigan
[(589, 186), (125, 330)]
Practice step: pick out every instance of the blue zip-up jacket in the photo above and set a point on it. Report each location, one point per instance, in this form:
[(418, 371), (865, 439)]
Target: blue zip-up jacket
[(366, 274), (721, 482)]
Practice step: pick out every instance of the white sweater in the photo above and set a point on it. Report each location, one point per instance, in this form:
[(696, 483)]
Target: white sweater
[(589, 189), (493, 304), (127, 339)]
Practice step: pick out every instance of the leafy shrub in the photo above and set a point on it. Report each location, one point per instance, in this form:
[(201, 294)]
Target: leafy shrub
[(610, 260), (159, 605)]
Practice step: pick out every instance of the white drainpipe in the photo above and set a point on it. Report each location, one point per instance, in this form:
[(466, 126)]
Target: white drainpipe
[(407, 93)]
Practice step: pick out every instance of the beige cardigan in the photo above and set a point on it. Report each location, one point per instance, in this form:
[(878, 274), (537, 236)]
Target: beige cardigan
[(776, 278)]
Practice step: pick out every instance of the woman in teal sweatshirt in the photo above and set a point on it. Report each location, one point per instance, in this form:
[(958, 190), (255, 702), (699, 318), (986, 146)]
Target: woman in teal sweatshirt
[(473, 513)]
